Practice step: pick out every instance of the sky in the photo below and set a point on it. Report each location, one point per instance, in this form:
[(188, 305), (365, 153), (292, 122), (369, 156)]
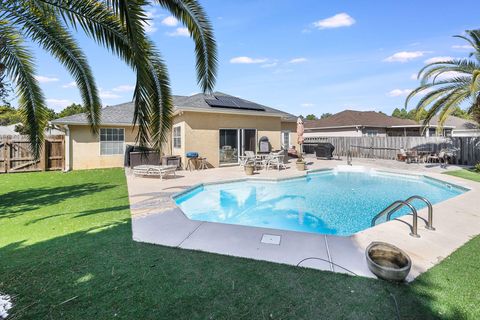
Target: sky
[(303, 57)]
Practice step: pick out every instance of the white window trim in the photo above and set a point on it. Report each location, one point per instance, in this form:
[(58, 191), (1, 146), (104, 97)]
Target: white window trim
[(178, 137), (289, 138), (100, 143)]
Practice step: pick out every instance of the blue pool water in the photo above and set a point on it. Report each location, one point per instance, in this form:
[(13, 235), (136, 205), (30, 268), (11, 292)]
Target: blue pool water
[(328, 202)]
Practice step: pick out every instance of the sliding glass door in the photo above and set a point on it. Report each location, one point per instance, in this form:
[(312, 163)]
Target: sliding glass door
[(229, 146), (234, 143), (248, 140)]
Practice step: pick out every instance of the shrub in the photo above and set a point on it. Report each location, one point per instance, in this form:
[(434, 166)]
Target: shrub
[(477, 167)]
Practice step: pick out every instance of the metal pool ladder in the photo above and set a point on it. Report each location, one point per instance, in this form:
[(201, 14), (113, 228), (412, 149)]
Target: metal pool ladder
[(395, 206)]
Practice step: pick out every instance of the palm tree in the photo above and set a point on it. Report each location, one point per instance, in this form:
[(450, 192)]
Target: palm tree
[(448, 84), (119, 26)]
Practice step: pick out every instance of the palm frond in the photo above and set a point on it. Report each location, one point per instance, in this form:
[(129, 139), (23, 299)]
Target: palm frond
[(192, 15), (20, 68), (456, 81), (55, 39)]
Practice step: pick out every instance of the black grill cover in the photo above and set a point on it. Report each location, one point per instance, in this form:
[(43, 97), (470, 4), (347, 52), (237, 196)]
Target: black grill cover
[(324, 150)]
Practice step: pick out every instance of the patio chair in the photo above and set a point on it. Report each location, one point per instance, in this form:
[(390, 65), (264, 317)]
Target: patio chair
[(436, 157), (412, 156), (274, 159), (249, 157), (402, 155), (154, 170)]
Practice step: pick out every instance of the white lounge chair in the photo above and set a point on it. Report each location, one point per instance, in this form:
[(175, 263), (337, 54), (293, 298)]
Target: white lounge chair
[(152, 170)]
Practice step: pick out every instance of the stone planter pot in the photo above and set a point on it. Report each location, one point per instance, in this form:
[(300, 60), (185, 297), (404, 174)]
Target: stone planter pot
[(249, 170), (300, 166), (387, 261)]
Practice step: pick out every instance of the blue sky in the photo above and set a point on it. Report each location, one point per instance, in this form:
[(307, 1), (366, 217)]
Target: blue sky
[(300, 56)]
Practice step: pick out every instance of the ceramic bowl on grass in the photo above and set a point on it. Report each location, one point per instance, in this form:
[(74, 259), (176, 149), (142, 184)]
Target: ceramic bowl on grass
[(387, 261)]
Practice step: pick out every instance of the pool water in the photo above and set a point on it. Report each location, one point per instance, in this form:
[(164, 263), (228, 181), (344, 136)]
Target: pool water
[(328, 202)]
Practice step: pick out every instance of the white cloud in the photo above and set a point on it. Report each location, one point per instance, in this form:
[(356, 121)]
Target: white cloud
[(170, 21), (437, 59), (307, 104), (44, 79), (337, 21), (269, 65), (124, 88), (149, 25), (58, 104), (179, 32), (462, 47), (404, 56), (298, 60), (105, 94), (399, 92), (247, 60), (72, 84)]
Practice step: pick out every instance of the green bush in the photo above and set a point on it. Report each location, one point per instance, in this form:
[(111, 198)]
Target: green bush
[(477, 167)]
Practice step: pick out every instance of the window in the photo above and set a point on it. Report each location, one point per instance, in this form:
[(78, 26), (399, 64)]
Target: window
[(177, 137), (111, 141), (371, 133), (285, 140)]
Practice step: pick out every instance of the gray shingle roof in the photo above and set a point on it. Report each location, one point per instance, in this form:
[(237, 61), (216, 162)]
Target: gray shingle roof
[(123, 113), (457, 123), (352, 118)]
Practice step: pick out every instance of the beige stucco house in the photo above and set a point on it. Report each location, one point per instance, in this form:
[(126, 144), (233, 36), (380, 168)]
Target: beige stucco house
[(352, 123), (219, 127)]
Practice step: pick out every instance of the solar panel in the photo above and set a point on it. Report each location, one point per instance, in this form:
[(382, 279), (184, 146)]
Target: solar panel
[(232, 103), (220, 103)]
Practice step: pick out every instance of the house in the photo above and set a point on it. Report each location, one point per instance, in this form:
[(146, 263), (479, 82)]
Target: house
[(11, 130), (219, 127), (351, 123), (461, 127), (8, 130)]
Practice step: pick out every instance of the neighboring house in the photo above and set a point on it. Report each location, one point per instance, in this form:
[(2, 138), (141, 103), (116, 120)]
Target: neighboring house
[(11, 130), (350, 123), (219, 127), (461, 127), (8, 130)]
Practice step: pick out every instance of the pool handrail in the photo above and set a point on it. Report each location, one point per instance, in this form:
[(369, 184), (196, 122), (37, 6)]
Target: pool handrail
[(395, 206), (429, 224)]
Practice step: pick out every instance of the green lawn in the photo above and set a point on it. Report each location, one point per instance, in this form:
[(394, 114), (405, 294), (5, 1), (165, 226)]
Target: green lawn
[(469, 174), (66, 253)]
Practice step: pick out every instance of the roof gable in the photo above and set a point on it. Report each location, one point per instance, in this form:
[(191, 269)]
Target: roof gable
[(353, 118)]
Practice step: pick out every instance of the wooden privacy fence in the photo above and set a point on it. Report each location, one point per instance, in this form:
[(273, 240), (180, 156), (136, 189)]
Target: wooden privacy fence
[(16, 155), (388, 147)]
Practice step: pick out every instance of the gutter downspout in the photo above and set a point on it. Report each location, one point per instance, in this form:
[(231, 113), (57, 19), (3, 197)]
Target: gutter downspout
[(67, 149)]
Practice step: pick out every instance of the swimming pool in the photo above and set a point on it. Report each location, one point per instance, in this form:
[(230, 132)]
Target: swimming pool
[(328, 202)]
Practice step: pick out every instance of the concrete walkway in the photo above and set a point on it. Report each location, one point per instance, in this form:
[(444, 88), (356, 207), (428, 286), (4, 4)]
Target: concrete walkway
[(156, 219)]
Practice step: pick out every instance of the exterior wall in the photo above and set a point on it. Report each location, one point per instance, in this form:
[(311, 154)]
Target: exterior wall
[(85, 149), (179, 121), (199, 132), (202, 131), (381, 132), (344, 132), (292, 127), (338, 132)]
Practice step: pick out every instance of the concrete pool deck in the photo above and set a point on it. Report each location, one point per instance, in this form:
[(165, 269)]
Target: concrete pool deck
[(156, 219)]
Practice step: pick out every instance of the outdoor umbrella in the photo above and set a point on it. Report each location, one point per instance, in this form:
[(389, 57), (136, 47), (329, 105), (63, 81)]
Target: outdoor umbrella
[(300, 131)]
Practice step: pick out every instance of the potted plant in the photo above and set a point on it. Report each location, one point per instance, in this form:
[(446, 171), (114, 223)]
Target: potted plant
[(300, 163), (249, 168)]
